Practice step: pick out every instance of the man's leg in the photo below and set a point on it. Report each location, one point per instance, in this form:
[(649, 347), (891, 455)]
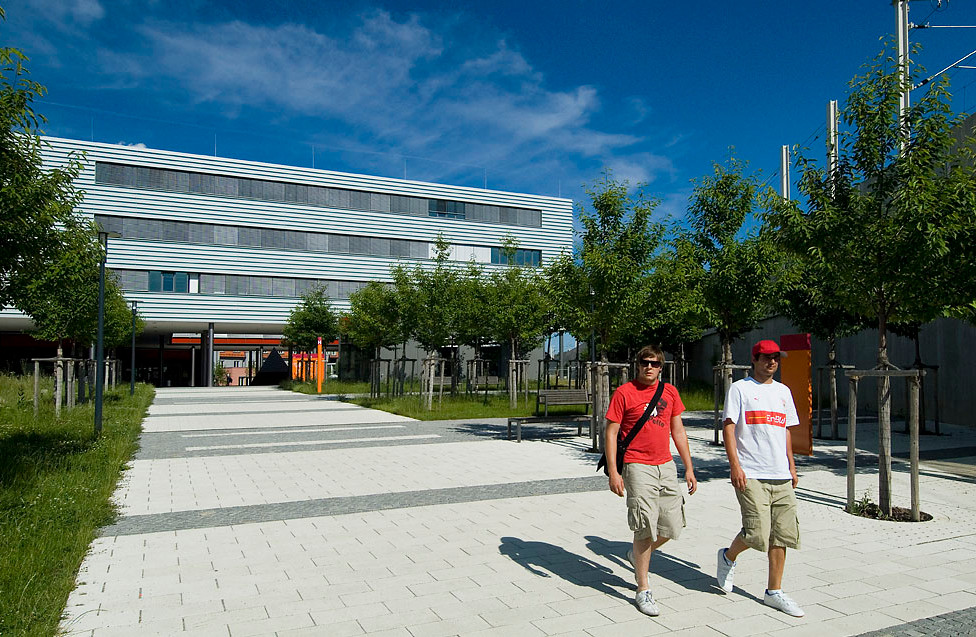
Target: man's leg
[(735, 548), (643, 549), (777, 563)]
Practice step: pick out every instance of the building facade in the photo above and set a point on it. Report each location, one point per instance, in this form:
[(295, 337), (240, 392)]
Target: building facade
[(210, 244)]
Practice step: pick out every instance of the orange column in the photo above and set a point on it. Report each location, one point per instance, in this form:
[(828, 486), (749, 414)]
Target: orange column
[(795, 373), (320, 366)]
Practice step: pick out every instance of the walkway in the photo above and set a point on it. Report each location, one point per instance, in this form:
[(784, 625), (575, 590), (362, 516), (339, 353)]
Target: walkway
[(251, 511)]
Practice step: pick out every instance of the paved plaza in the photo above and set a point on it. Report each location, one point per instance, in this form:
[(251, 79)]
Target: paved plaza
[(254, 511)]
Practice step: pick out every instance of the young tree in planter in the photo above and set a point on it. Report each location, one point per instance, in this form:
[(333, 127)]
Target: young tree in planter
[(674, 292), (518, 318), (35, 203), (895, 222), (374, 322), (616, 253), (61, 297), (737, 263), (312, 318)]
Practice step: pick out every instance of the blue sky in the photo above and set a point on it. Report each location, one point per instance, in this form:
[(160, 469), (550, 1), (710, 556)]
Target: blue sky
[(526, 96)]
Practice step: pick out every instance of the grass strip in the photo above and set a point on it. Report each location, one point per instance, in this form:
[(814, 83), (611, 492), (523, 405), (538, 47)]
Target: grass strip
[(56, 482)]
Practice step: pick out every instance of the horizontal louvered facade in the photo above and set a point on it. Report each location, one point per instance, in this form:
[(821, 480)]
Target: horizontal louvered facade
[(235, 243)]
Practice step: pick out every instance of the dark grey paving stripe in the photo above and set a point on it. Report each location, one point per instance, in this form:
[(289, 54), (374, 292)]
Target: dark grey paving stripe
[(208, 518), (960, 622)]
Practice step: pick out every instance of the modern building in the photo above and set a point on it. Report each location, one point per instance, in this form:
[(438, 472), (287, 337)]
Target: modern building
[(215, 245)]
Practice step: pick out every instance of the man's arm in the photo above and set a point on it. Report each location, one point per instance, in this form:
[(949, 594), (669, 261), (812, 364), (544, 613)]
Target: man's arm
[(680, 437), (610, 448), (789, 456), (735, 470)]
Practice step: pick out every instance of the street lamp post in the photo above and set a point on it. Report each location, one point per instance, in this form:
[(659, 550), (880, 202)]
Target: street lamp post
[(132, 375), (100, 342)]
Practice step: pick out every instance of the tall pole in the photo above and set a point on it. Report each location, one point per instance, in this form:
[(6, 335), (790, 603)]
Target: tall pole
[(784, 172), (832, 150), (100, 340), (904, 100), (132, 375), (594, 428)]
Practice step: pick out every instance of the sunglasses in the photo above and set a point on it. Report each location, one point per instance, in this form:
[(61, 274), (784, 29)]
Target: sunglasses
[(646, 362)]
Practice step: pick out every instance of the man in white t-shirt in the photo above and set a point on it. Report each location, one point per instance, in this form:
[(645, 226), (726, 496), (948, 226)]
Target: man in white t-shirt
[(759, 412)]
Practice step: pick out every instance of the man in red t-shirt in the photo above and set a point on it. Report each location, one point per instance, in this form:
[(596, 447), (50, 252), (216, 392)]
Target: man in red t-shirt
[(655, 506)]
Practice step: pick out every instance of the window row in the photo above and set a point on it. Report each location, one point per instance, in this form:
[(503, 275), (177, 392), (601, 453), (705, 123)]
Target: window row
[(230, 284), (206, 233), (266, 190), (531, 258)]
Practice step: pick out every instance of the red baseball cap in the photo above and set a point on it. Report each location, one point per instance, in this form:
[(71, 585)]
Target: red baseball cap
[(767, 347)]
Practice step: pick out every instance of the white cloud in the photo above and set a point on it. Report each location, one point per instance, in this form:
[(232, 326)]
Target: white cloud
[(397, 85), (132, 144)]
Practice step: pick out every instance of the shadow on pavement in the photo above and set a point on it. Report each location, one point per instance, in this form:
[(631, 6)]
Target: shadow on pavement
[(543, 559), (681, 572)]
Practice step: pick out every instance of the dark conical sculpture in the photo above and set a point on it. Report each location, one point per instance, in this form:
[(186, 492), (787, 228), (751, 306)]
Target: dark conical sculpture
[(273, 371)]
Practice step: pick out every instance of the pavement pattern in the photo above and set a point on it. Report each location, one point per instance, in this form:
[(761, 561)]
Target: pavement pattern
[(253, 511)]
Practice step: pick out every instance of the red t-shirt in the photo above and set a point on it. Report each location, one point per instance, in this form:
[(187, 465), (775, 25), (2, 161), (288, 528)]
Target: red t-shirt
[(653, 444)]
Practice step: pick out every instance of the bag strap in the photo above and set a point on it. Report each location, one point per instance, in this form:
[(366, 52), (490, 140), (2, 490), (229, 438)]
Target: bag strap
[(643, 419)]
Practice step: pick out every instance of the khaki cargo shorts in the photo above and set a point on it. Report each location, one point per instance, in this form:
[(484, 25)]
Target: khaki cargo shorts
[(655, 507), (768, 510)]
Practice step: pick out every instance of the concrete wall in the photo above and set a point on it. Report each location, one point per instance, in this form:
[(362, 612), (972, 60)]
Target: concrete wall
[(949, 343)]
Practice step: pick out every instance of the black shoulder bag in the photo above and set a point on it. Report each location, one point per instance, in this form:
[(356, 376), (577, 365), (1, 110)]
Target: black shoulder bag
[(623, 444)]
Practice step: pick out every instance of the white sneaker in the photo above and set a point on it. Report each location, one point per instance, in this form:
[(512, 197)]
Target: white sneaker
[(724, 572), (646, 604), (781, 601)]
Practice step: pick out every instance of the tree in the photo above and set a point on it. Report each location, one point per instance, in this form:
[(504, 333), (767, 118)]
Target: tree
[(518, 313), (674, 290), (599, 288), (61, 296), (312, 318), (894, 225), (736, 263), (34, 203), (374, 322)]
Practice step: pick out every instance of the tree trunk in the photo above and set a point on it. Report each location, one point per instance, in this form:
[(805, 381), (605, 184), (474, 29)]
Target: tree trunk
[(884, 419), (512, 376), (832, 371), (726, 365)]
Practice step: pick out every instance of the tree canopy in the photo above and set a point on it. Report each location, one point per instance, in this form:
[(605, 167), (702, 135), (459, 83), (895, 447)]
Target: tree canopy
[(312, 318), (737, 262), (600, 287), (35, 202)]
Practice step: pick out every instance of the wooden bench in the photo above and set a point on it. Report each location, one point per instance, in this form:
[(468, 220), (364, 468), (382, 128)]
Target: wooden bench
[(547, 397), (532, 420)]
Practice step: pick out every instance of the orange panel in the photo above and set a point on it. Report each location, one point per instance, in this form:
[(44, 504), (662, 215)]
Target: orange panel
[(795, 373)]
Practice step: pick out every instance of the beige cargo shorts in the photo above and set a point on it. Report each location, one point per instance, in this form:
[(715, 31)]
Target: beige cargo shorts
[(655, 507)]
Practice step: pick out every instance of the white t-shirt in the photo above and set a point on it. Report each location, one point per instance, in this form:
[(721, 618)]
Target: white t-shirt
[(761, 413)]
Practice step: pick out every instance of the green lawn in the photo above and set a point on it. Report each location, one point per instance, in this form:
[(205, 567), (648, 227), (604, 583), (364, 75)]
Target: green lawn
[(460, 407), (55, 486), (696, 396)]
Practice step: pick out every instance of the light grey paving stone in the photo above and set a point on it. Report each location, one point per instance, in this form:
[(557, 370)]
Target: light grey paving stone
[(578, 621), (518, 616), (457, 609), (443, 628), (342, 629), (679, 620), (954, 601), (398, 620), (420, 602), (857, 604), (753, 625), (270, 625), (164, 627), (524, 629), (215, 621)]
